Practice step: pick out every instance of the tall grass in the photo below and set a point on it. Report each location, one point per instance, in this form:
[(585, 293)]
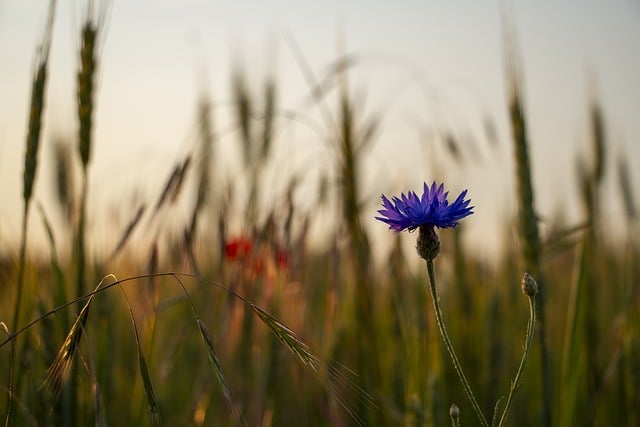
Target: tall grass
[(233, 318), (89, 50), (36, 109), (350, 138), (579, 365), (529, 233)]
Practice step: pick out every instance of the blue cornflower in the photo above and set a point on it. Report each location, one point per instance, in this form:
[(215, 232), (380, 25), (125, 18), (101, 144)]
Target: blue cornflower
[(431, 210)]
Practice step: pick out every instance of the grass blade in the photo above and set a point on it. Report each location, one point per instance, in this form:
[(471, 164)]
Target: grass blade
[(152, 404), (217, 369)]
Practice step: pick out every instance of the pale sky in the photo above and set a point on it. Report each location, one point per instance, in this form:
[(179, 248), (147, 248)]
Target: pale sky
[(426, 67)]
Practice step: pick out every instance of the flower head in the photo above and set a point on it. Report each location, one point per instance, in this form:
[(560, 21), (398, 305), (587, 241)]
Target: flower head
[(409, 212), (238, 248)]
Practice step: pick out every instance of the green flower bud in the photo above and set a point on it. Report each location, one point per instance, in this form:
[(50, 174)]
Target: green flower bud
[(428, 245)]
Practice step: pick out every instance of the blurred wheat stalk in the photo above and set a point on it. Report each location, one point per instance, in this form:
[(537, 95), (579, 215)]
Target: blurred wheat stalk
[(92, 27), (36, 109), (527, 220)]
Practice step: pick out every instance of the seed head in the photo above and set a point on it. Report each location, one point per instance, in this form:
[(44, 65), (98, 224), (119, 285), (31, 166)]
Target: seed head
[(529, 285)]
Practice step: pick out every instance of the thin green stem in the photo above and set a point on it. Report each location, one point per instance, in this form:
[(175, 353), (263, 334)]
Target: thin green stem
[(23, 254), (449, 346), (80, 238), (531, 327), (16, 314)]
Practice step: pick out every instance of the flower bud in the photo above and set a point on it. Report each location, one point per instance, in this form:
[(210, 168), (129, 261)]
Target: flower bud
[(428, 245), (454, 413), (529, 285)]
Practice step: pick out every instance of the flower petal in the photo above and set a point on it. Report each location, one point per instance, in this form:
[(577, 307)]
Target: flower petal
[(410, 211)]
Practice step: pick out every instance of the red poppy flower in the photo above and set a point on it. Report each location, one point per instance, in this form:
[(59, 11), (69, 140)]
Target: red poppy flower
[(238, 248)]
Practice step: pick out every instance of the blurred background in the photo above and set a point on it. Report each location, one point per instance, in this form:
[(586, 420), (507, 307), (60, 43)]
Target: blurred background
[(432, 74)]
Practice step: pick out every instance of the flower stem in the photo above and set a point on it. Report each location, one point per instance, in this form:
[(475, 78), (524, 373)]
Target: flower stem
[(449, 346), (530, 334)]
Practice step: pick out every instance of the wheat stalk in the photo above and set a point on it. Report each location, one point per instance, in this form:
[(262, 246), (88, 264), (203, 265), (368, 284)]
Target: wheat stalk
[(85, 92), (36, 109), (64, 178), (86, 80), (205, 148), (528, 226), (35, 125), (59, 370)]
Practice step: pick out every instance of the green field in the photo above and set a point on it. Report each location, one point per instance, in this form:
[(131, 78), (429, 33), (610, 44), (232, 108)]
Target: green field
[(201, 325)]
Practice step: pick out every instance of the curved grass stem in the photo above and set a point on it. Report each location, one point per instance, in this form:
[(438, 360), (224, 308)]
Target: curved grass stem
[(531, 327), (449, 346)]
